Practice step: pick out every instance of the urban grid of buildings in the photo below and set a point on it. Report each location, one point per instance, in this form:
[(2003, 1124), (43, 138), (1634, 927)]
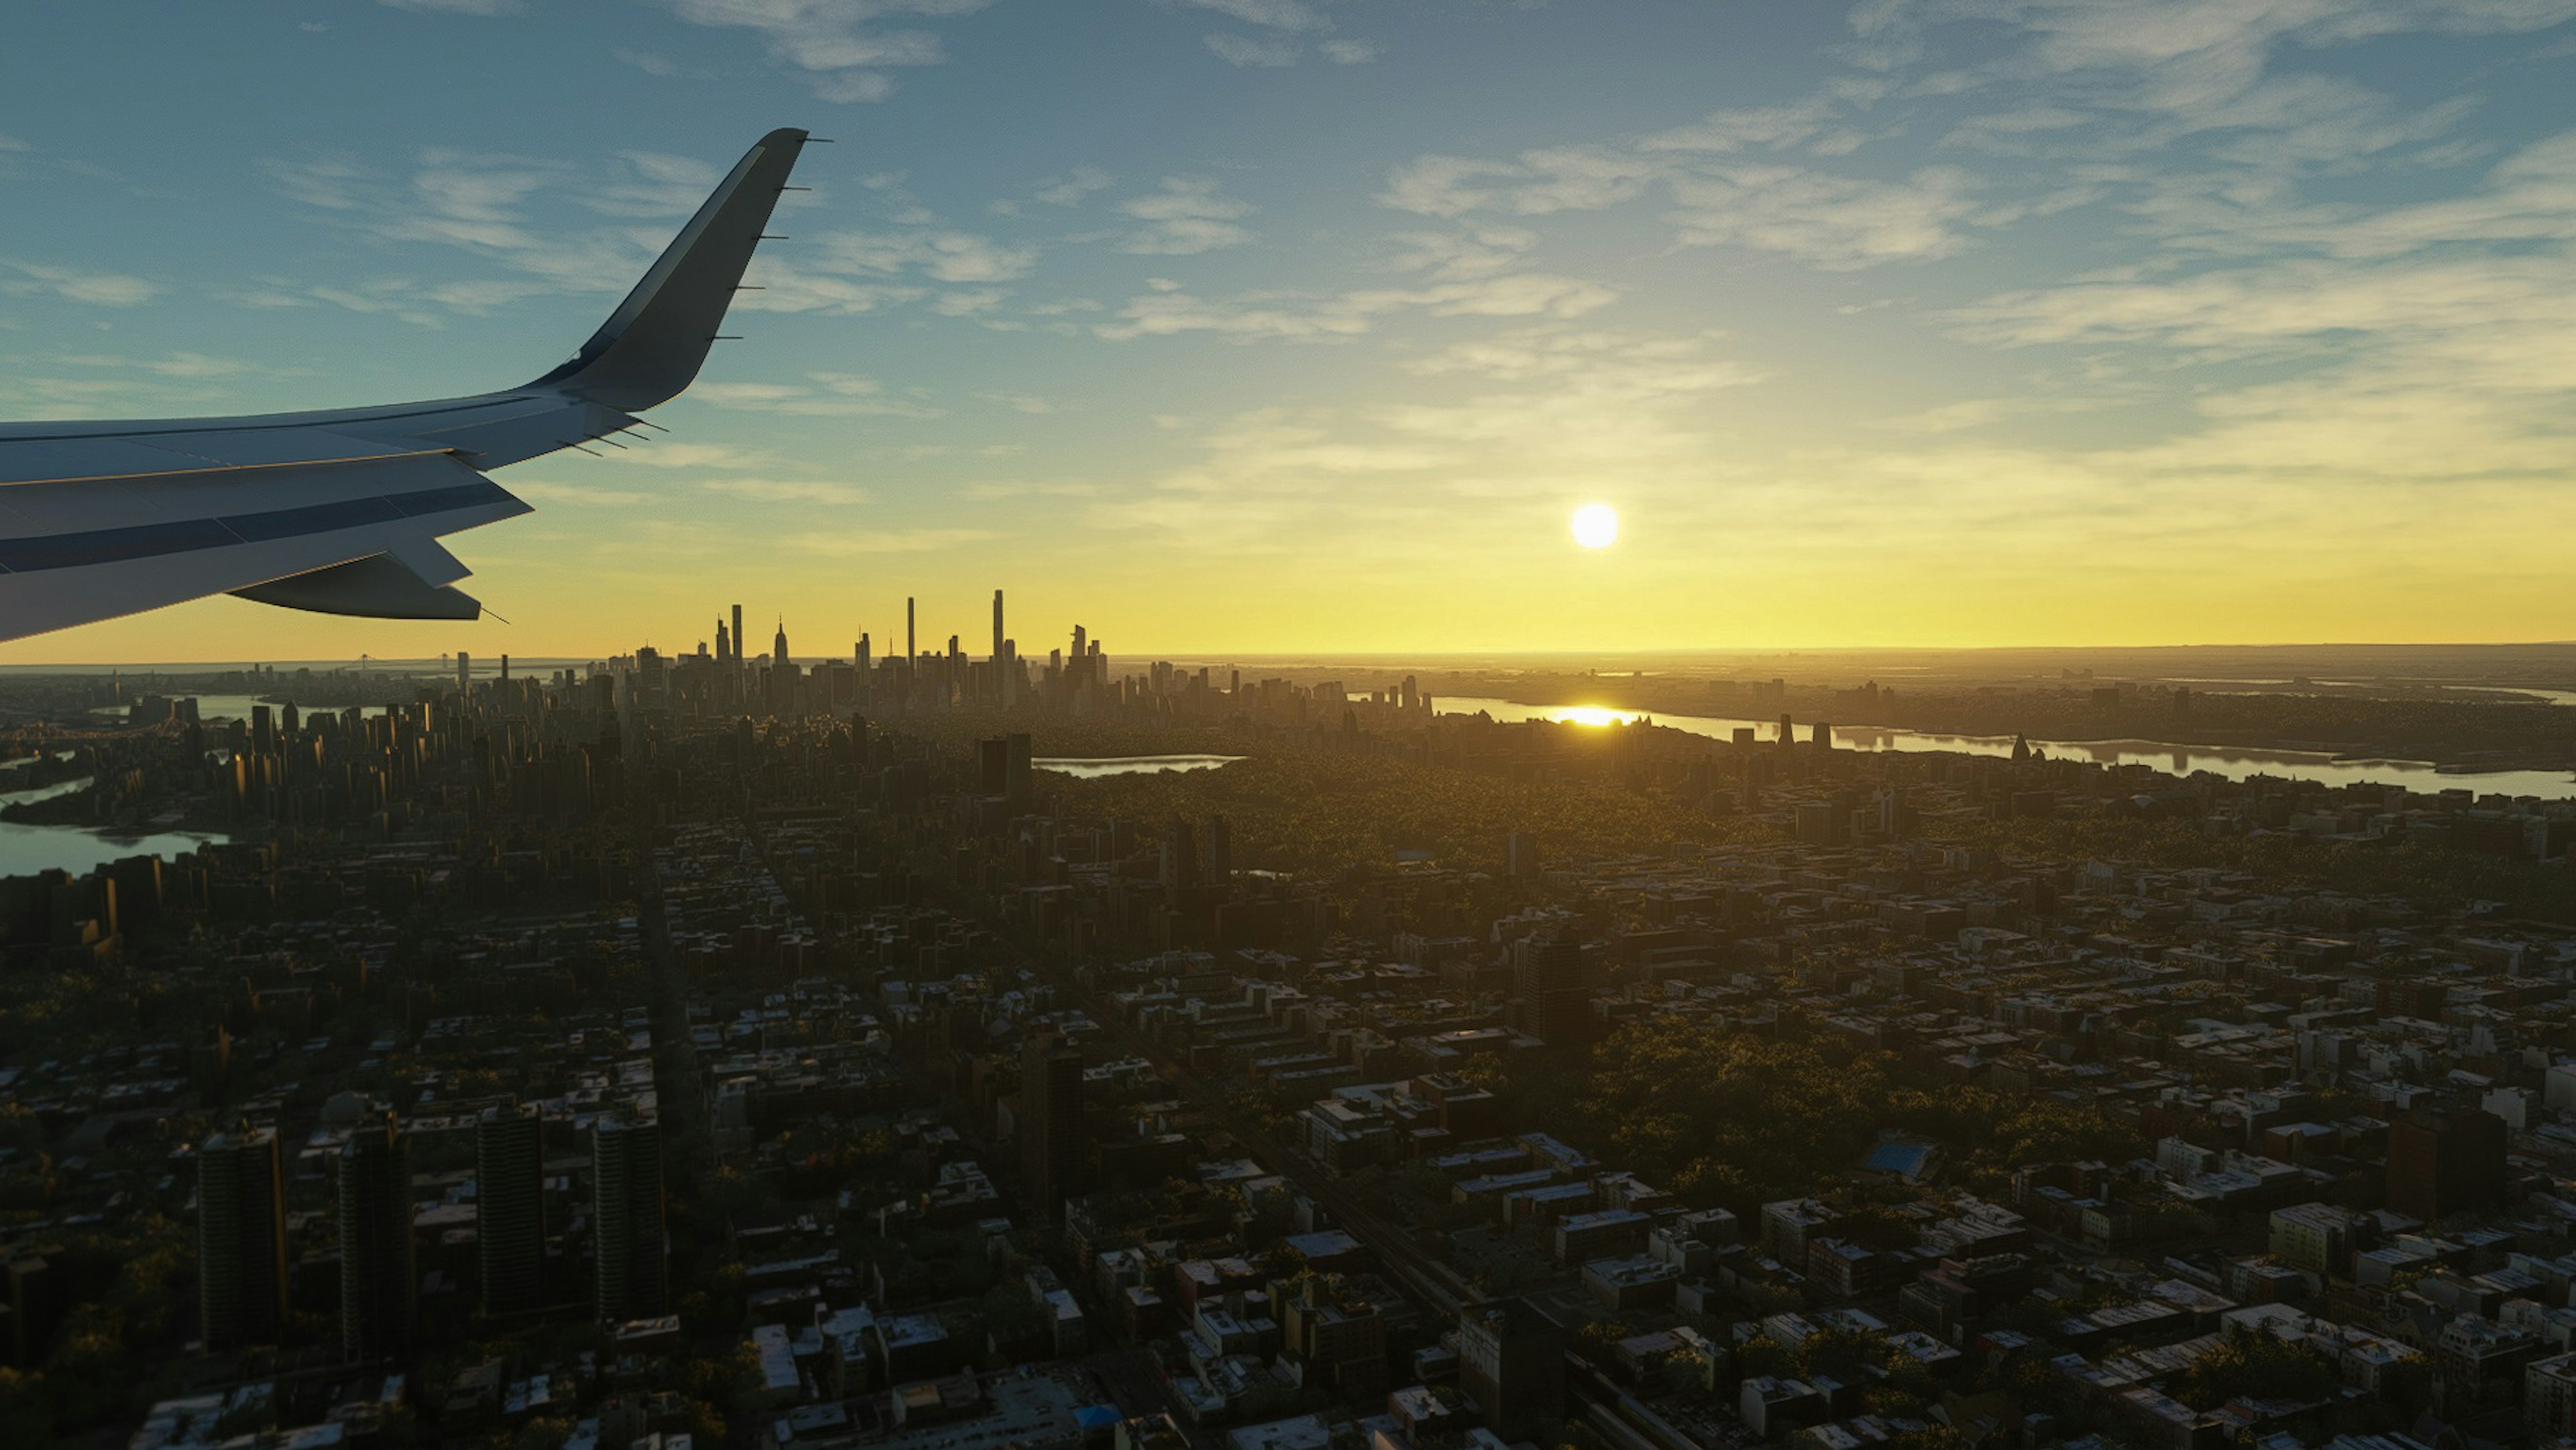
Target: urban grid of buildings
[(715, 1048)]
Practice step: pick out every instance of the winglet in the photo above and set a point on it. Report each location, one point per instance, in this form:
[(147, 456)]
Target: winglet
[(652, 346)]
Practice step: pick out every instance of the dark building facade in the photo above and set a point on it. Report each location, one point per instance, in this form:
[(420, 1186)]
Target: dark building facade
[(2443, 1161), (1511, 1362), (510, 1219), (1051, 1135), (378, 1281), (626, 1217), (241, 1238)]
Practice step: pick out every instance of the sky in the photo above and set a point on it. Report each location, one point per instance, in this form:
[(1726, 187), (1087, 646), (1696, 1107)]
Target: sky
[(1267, 326)]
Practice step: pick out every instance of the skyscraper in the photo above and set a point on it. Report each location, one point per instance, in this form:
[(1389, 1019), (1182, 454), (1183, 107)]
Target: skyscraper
[(1180, 861), (1051, 1136), (1552, 994), (510, 1238), (741, 645), (778, 647), (377, 1280), (626, 1216), (241, 1238)]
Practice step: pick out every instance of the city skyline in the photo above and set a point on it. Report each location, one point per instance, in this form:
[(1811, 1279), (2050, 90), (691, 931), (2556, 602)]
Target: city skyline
[(1908, 324)]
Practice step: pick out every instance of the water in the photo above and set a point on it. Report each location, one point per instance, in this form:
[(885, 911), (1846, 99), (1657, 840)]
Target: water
[(26, 849), (1133, 764), (2233, 762), (238, 707)]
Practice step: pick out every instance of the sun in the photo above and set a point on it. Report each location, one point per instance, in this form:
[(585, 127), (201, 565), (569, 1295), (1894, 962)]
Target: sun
[(1596, 526)]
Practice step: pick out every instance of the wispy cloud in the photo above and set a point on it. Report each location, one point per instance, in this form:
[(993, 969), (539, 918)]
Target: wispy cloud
[(652, 63), (1295, 15), (940, 255), (841, 47), (864, 541), (787, 490), (821, 395), (1254, 50), (1185, 217), (1071, 188), (76, 284), (458, 7)]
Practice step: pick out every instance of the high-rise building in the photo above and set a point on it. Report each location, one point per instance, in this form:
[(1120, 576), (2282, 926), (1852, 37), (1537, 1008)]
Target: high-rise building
[(377, 1281), (510, 1218), (778, 647), (1051, 1128), (1511, 1362), (241, 1238), (626, 1217), (1521, 853), (464, 672), (2445, 1161), (1220, 852), (1180, 861), (1552, 992), (741, 643), (911, 643)]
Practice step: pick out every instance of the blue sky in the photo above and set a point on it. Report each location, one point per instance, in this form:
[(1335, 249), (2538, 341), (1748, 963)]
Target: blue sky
[(1288, 324)]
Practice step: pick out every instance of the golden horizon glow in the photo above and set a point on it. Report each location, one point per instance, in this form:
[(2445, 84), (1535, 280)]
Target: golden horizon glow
[(1597, 716)]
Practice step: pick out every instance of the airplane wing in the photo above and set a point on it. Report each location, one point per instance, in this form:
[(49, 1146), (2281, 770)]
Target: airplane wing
[(340, 512)]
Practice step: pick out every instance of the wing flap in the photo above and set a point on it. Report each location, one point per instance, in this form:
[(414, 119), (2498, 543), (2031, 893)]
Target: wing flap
[(224, 532), (378, 586)]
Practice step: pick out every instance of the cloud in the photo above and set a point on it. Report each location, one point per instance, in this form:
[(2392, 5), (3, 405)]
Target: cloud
[(940, 255), (1548, 413), (76, 284), (171, 365), (1307, 317), (1184, 218), (1833, 222), (579, 494), (888, 541), (838, 45), (785, 286), (1019, 402), (457, 7), (1261, 51), (1069, 190), (1294, 15), (649, 62), (821, 395), (787, 490), (1349, 52)]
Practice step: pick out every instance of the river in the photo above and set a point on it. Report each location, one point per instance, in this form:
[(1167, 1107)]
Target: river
[(1131, 764), (26, 849), (2233, 762)]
